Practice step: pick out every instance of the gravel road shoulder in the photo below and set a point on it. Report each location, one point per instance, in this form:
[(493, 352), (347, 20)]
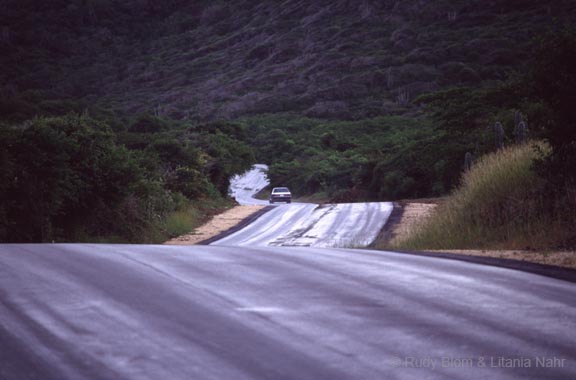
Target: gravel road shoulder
[(217, 225)]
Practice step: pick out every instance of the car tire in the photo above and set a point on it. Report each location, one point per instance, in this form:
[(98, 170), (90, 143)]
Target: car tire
[(271, 202)]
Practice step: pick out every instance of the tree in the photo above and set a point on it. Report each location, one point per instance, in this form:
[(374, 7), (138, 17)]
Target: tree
[(227, 156), (553, 82), (63, 171)]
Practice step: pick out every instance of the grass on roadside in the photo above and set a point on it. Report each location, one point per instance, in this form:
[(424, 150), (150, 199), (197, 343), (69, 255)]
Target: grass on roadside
[(181, 221), (191, 216), (188, 216), (500, 205)]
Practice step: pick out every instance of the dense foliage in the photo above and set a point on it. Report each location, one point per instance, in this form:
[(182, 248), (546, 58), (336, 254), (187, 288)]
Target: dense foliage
[(410, 157), (541, 96), (552, 85), (201, 59), (380, 158), (72, 178), (521, 197)]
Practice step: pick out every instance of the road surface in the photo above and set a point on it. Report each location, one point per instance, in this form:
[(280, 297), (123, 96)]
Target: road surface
[(206, 312), (250, 308), (244, 187), (304, 224), (311, 225)]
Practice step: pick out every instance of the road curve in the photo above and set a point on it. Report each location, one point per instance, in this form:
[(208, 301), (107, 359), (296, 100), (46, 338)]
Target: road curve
[(205, 312), (243, 187)]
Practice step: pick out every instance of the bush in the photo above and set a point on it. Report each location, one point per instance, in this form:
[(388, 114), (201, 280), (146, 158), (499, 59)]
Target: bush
[(66, 179), (148, 124), (181, 221), (69, 169), (499, 204)]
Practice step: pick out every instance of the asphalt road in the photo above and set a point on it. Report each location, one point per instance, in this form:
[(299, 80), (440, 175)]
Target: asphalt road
[(251, 308), (244, 187), (205, 312), (311, 225), (304, 224)]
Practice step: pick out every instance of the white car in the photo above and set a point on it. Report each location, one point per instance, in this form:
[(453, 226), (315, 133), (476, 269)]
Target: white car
[(280, 194)]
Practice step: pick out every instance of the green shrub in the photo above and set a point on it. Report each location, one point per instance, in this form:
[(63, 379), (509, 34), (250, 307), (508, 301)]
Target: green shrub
[(70, 172), (180, 222), (146, 123)]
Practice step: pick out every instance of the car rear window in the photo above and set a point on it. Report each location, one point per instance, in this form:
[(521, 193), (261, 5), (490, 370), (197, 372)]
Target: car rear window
[(281, 190)]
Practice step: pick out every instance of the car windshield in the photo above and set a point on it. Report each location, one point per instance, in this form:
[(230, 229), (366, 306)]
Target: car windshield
[(281, 190)]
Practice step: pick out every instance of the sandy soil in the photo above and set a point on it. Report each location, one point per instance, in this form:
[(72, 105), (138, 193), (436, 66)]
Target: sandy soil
[(565, 259), (219, 223), (416, 213), (412, 216)]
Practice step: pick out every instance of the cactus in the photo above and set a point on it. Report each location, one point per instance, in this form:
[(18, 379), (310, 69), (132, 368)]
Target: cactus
[(517, 118), (468, 161), (521, 133), (403, 97), (157, 110), (389, 78), (498, 135), (520, 128)]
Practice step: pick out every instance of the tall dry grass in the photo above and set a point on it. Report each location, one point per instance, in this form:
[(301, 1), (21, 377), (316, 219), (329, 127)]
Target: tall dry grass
[(501, 204)]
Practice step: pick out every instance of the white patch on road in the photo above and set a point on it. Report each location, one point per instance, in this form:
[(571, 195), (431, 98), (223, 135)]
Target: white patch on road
[(244, 187)]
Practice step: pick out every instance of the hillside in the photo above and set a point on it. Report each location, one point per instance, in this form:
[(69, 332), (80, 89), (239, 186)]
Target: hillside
[(211, 60)]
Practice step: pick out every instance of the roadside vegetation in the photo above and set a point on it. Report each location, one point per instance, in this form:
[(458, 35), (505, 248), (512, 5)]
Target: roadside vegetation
[(72, 178), (383, 158), (522, 196), (111, 112), (500, 204)]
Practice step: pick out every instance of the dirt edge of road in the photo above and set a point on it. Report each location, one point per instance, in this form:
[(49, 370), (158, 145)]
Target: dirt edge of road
[(221, 225), (406, 215), (243, 223)]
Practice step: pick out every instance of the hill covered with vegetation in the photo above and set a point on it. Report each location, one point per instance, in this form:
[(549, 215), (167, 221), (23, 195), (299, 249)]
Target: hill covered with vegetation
[(115, 115), (212, 59)]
